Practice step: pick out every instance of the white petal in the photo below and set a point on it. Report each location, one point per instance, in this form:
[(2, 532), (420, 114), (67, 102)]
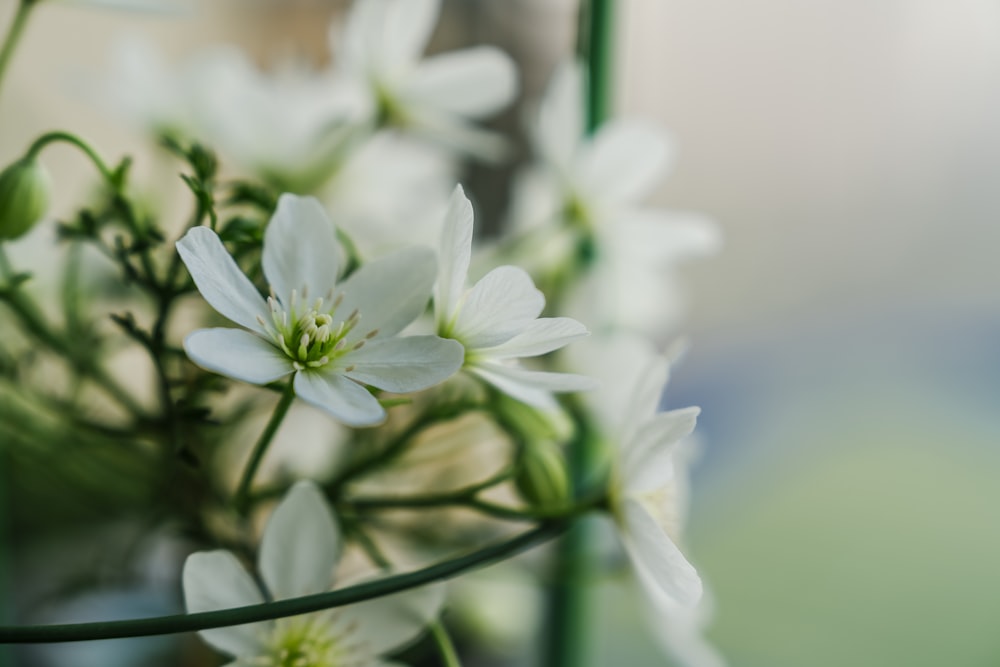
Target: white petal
[(389, 292), (539, 337), (353, 45), (457, 134), (300, 249), (657, 560), (346, 400), (624, 161), (220, 280), (215, 580), (405, 364), (301, 544), (237, 354), (455, 254), (498, 307), (532, 387), (387, 623), (664, 238), (560, 118), (647, 457), (473, 82), (644, 397), (407, 29)]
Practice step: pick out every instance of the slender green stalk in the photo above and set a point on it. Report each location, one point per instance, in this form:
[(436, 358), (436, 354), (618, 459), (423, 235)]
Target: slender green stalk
[(14, 33), (164, 625), (33, 321), (449, 656), (259, 449), (569, 598), (69, 138)]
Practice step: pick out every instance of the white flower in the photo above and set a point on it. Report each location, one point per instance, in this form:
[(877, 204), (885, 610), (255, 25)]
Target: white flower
[(648, 488), (497, 320), (594, 185), (335, 338), (379, 48), (298, 554), (291, 126)]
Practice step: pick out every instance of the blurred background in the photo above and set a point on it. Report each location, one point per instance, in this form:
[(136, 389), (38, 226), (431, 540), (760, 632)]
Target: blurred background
[(844, 343)]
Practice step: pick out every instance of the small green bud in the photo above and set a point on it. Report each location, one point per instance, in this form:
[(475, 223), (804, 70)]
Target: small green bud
[(542, 478), (24, 197)]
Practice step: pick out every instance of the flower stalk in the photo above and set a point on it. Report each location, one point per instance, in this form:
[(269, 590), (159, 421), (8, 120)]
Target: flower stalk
[(241, 500), (14, 33), (569, 598)]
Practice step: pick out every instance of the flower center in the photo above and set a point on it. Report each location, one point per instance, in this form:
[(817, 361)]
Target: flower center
[(309, 334), (316, 640)]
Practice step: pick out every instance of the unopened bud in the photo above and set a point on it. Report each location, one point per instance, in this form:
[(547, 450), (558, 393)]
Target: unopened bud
[(542, 478), (24, 197)]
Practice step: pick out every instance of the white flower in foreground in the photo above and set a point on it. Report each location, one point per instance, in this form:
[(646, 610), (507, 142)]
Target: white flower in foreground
[(648, 491), (497, 319), (298, 554), (593, 186), (379, 48), (335, 338)]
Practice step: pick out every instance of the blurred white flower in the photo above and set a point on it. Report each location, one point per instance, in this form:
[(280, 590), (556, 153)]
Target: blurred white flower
[(334, 338), (648, 491), (299, 551), (593, 186), (379, 48), (497, 319), (291, 126)]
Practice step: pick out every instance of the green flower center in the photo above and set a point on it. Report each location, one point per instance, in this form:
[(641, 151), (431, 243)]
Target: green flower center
[(306, 644), (310, 334)]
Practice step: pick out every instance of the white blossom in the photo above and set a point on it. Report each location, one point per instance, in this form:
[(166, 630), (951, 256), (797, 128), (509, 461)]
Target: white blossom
[(379, 49), (648, 488), (497, 320), (334, 337), (592, 186), (298, 554)]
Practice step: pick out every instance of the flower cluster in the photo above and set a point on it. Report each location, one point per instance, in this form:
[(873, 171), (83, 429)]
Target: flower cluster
[(453, 377)]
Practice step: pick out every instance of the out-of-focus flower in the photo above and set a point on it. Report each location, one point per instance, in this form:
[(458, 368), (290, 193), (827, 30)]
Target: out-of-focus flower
[(334, 338), (648, 487), (592, 187), (299, 551), (497, 319), (292, 126), (379, 49)]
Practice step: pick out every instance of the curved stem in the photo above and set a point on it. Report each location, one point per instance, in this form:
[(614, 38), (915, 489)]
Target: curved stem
[(259, 449), (14, 33), (163, 625), (449, 656), (69, 138)]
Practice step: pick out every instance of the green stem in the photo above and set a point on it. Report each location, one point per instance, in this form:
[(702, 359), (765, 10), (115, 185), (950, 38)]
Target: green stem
[(14, 33), (33, 322), (69, 138), (569, 599), (449, 656), (163, 625), (257, 455)]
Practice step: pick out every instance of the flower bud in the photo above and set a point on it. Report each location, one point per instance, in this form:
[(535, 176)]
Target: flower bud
[(24, 197), (542, 478)]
